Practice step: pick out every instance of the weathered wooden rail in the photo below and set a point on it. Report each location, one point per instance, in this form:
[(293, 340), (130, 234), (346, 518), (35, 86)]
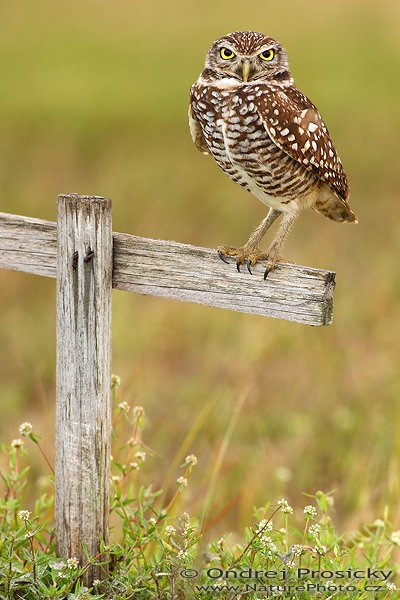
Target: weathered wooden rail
[(180, 272), (88, 260)]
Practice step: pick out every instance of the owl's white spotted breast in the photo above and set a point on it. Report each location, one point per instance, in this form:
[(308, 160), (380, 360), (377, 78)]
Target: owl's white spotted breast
[(238, 139)]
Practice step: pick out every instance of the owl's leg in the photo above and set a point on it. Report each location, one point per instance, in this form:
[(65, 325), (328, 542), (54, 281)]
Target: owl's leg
[(257, 235), (272, 254), (250, 253)]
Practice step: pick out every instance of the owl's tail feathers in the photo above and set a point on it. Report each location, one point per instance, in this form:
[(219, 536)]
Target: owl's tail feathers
[(331, 206)]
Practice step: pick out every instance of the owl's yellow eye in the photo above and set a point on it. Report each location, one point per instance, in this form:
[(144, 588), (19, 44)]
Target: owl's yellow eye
[(227, 54), (267, 55)]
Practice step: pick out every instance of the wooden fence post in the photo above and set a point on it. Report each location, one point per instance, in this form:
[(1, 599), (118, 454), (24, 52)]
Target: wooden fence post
[(83, 414)]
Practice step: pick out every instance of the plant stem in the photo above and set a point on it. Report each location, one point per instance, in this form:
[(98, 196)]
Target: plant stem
[(83, 569), (33, 554), (287, 532), (10, 569), (14, 487), (256, 535), (45, 457), (304, 539), (122, 507), (177, 492)]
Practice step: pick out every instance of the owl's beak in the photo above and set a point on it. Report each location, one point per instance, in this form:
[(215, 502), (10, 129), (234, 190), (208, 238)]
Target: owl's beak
[(246, 70)]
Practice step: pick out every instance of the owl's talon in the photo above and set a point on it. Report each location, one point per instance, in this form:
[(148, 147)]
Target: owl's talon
[(222, 257), (248, 264), (249, 256)]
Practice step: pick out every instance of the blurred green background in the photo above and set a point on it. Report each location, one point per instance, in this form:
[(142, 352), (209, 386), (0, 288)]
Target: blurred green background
[(94, 100)]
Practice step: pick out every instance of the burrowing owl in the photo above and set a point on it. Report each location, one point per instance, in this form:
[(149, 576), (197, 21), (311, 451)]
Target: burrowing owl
[(267, 136)]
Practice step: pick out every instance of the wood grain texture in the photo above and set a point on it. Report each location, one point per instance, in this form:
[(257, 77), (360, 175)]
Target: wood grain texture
[(83, 411), (28, 245), (194, 274), (182, 272)]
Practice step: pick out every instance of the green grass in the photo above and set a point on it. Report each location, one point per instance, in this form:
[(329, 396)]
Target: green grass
[(159, 551), (94, 100)]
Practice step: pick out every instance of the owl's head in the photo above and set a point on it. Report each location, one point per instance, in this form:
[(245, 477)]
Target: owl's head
[(247, 56)]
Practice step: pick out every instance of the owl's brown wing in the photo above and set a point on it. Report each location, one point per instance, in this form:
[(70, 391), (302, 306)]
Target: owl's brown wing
[(296, 127), (197, 132)]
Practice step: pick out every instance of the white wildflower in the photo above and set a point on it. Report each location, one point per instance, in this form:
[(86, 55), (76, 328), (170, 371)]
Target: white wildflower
[(267, 543), (26, 428), (134, 465), (285, 506), (18, 443), (138, 411), (96, 582), (115, 381), (182, 482), (58, 566), (314, 530), (29, 535), (170, 530), (152, 521), (24, 515), (391, 587), (297, 549), (72, 562), (182, 555), (191, 459), (310, 511), (124, 406), (321, 550), (141, 456), (290, 563), (265, 526), (395, 538), (184, 522), (379, 523)]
